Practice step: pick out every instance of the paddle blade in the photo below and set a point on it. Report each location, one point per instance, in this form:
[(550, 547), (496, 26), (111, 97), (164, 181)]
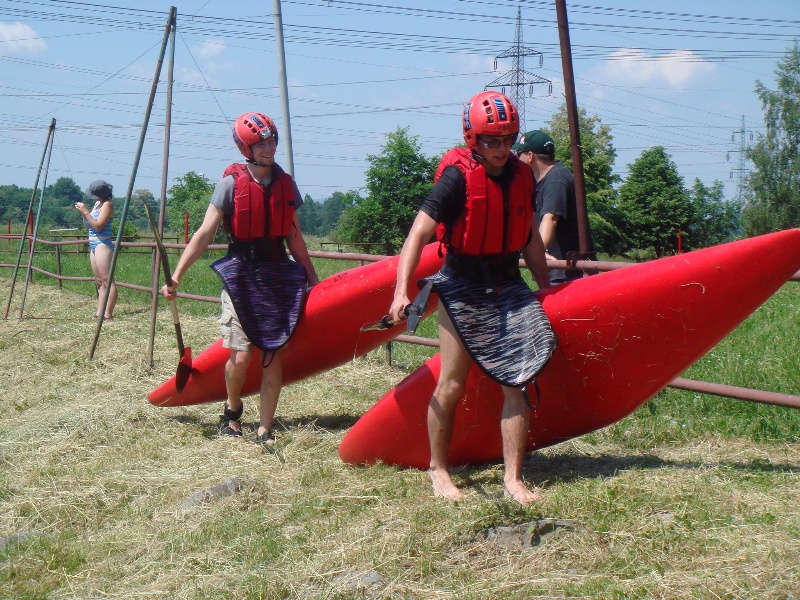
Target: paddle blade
[(384, 323), (184, 369)]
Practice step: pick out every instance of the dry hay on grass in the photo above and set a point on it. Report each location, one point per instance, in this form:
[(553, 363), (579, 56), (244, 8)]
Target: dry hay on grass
[(95, 480)]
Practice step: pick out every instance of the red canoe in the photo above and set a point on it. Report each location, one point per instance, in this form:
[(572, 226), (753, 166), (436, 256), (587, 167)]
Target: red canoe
[(622, 337), (328, 333)]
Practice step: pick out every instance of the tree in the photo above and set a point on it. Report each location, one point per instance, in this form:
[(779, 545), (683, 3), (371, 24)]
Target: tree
[(65, 190), (59, 203), (333, 208), (655, 202), (715, 220), (773, 196), (308, 216), (607, 222), (136, 214), (397, 181), (191, 194), (14, 202)]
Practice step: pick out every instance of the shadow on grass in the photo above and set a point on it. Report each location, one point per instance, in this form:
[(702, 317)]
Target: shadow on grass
[(567, 468), (326, 422), (537, 468)]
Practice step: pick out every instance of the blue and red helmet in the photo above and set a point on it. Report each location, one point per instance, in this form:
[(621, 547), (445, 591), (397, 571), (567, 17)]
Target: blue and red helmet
[(489, 113), (252, 128)]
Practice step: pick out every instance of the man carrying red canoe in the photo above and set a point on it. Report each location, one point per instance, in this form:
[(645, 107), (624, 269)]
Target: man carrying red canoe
[(263, 290), (481, 209)]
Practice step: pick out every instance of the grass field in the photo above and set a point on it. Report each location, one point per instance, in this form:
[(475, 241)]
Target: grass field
[(104, 496)]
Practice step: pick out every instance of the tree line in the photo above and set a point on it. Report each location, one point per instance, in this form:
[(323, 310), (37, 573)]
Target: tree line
[(640, 217)]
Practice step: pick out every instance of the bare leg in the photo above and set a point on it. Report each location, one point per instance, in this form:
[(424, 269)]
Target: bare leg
[(101, 261), (235, 375), (271, 381), (514, 427), (441, 410)]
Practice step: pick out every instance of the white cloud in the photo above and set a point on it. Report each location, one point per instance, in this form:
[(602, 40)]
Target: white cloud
[(210, 49), (636, 67), (18, 39), (188, 76)]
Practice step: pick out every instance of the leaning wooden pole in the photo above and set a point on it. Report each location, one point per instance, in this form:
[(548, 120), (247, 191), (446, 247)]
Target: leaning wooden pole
[(48, 143), (36, 229), (142, 135), (155, 270), (574, 133)]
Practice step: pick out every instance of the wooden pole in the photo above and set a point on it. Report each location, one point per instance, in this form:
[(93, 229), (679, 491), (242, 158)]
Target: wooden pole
[(113, 265), (47, 145), (35, 232), (154, 274), (287, 129)]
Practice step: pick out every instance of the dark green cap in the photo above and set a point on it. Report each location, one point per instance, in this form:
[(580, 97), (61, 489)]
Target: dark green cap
[(537, 142)]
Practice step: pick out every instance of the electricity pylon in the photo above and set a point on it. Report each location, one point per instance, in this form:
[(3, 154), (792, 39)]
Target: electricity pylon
[(517, 79), (741, 171)]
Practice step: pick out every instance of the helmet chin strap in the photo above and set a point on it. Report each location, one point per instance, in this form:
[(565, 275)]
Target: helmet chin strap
[(477, 156), (255, 162)]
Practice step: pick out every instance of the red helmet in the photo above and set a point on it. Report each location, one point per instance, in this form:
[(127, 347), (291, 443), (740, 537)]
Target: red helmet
[(252, 128), (489, 113)]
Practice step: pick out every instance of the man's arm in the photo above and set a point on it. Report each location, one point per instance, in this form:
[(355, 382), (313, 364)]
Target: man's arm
[(195, 248), (547, 230), (421, 232), (534, 256), (299, 250)]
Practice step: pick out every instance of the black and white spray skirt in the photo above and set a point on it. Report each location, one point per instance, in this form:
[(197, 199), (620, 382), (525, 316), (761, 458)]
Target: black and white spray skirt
[(503, 327)]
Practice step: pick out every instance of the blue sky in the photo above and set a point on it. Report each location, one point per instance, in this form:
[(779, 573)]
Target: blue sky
[(679, 74)]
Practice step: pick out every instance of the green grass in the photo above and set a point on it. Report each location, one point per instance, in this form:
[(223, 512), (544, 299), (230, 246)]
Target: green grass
[(691, 496)]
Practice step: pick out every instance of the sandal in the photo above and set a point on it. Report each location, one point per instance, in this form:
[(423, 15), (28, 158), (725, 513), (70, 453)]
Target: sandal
[(266, 439), (229, 416)]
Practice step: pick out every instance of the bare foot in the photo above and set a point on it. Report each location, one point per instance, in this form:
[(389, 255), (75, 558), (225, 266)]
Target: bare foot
[(516, 490), (443, 486)]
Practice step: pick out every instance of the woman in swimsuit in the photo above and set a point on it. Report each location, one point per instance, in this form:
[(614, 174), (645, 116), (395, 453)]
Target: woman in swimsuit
[(101, 247)]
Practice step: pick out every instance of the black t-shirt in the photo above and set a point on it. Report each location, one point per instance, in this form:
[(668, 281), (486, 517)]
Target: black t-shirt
[(555, 194)]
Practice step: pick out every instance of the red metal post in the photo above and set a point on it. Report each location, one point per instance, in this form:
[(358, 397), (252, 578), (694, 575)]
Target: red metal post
[(574, 128), (679, 241)]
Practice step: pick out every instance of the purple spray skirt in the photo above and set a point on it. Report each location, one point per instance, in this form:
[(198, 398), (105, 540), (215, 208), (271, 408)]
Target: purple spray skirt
[(504, 328), (267, 296)]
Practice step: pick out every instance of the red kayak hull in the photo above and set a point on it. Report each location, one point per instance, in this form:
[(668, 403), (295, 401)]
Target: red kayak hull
[(328, 333), (622, 337)]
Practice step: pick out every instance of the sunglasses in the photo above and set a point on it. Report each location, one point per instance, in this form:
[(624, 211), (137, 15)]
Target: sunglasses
[(496, 142)]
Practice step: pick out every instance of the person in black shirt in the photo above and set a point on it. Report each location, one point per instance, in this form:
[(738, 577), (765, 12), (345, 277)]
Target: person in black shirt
[(556, 209)]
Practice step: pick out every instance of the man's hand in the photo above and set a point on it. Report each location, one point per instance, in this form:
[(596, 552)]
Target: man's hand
[(397, 311), (170, 293)]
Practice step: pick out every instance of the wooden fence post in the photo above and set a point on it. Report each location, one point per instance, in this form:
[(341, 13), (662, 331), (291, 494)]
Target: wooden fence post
[(58, 265)]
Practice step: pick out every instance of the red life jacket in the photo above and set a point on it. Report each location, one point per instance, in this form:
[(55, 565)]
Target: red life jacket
[(488, 224), (254, 216)]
